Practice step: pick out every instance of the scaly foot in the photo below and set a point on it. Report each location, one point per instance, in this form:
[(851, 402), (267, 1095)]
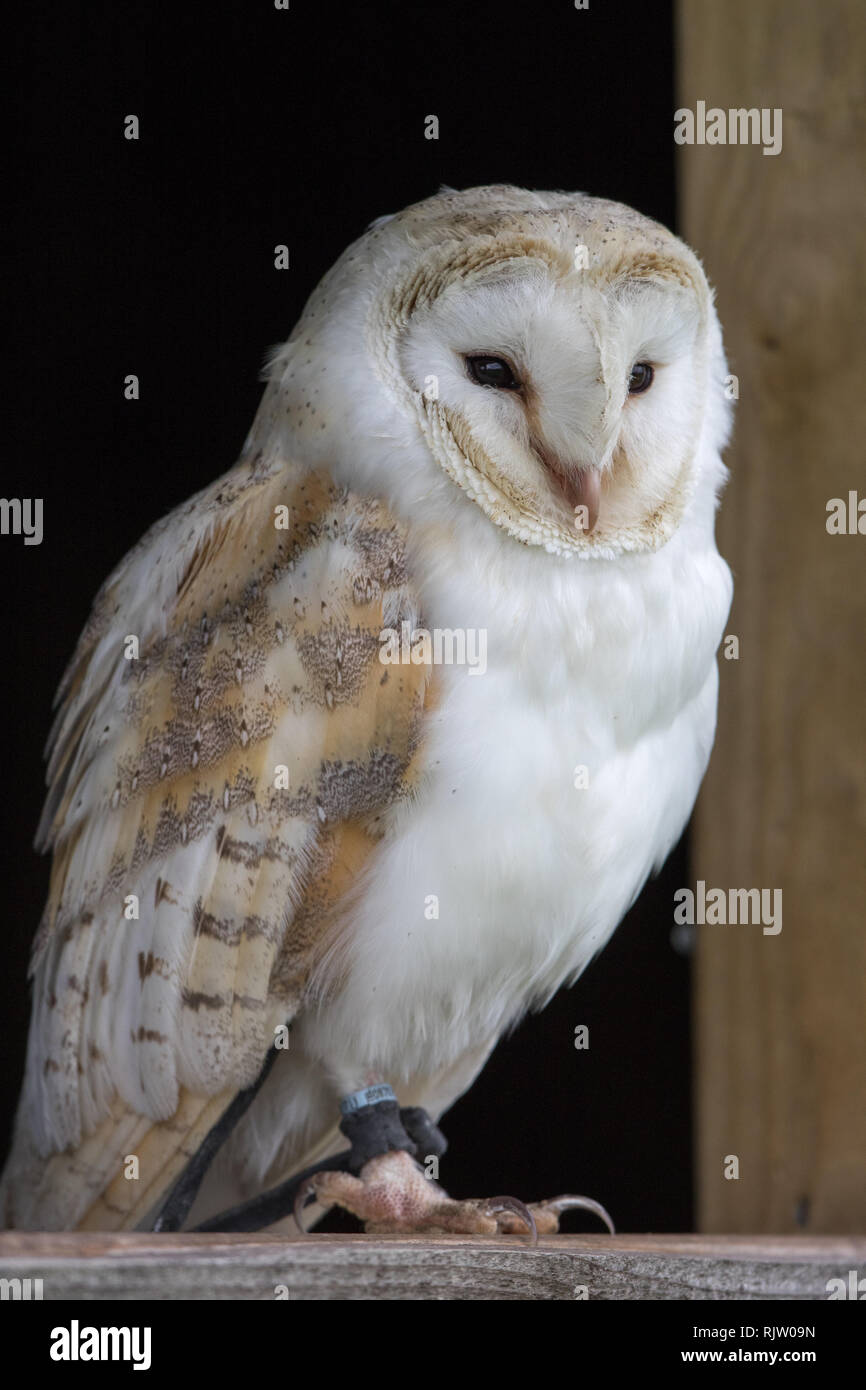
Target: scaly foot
[(392, 1195)]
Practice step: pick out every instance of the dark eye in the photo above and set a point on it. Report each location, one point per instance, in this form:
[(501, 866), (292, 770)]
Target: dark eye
[(640, 378), (492, 371)]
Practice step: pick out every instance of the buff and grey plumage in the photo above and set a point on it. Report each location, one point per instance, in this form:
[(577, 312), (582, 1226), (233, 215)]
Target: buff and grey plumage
[(413, 495)]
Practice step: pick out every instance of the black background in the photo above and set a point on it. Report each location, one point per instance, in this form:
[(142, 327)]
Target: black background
[(155, 257)]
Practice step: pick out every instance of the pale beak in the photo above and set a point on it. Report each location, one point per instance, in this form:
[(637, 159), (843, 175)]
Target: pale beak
[(581, 489), (584, 497)]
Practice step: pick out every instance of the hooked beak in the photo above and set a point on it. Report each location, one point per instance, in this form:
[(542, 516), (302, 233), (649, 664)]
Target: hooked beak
[(581, 488), (583, 494)]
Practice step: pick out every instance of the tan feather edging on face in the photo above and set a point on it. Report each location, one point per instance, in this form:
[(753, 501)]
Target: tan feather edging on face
[(532, 515)]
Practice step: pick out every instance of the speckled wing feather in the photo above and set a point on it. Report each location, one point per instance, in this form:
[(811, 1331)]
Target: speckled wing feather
[(227, 785)]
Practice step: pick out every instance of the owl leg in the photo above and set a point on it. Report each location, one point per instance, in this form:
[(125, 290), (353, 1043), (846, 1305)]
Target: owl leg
[(374, 1125), (390, 1192), (379, 1181), (393, 1195)]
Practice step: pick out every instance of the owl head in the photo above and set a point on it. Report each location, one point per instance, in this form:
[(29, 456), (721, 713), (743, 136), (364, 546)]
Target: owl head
[(553, 360)]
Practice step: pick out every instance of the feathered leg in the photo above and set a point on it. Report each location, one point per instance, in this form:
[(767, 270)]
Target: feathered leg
[(380, 1182)]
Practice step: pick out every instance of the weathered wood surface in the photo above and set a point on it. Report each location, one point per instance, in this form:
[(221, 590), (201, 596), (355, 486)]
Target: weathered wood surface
[(781, 1065), (323, 1267)]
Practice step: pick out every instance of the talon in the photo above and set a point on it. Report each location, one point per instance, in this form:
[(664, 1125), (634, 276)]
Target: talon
[(569, 1203), (517, 1208)]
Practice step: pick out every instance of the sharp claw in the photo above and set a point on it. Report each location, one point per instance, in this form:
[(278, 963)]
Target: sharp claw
[(568, 1203), (517, 1208)]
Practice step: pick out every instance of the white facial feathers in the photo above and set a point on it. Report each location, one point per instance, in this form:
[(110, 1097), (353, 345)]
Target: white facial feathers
[(570, 292)]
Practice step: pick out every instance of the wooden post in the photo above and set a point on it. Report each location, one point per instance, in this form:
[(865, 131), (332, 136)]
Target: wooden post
[(567, 1268), (780, 1018)]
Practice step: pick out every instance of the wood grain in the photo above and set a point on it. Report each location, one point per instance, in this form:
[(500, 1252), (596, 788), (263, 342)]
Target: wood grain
[(780, 1019), (130, 1266)]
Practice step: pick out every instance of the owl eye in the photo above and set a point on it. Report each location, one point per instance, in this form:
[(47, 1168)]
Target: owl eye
[(492, 371), (640, 378)]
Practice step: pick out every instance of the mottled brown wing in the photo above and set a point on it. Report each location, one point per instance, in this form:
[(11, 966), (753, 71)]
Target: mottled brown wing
[(212, 796)]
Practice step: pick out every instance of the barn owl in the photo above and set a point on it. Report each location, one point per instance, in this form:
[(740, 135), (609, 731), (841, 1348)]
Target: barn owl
[(279, 835)]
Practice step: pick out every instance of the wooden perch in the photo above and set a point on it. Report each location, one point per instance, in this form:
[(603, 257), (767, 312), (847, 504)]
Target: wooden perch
[(266, 1267)]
